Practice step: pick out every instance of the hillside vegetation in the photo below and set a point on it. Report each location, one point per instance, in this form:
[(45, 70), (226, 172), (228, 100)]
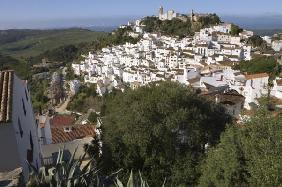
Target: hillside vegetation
[(160, 130), (177, 27), (26, 43), (68, 53), (260, 64), (248, 156), (7, 62)]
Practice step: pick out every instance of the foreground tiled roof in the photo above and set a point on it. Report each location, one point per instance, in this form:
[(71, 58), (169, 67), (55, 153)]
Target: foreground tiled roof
[(62, 120), (59, 135), (6, 93)]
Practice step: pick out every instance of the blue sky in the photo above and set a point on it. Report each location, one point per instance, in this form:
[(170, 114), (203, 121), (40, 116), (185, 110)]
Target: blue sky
[(15, 13)]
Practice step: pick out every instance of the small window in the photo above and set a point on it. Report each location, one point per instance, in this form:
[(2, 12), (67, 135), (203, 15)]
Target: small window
[(31, 141), (26, 96), (20, 127), (24, 109), (29, 155)]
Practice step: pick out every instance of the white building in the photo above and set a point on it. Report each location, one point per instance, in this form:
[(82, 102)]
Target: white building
[(44, 129), (267, 39), (166, 16), (19, 141), (74, 86), (276, 91), (224, 28), (256, 86), (277, 45)]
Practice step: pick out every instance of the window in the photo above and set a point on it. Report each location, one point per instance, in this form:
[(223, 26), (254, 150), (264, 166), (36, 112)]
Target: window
[(26, 96), (29, 153), (20, 127), (24, 107), (30, 140)]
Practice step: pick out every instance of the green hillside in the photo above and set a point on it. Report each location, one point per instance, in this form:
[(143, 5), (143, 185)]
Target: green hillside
[(25, 43)]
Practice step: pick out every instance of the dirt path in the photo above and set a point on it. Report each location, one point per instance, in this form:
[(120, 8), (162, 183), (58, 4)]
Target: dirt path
[(63, 107)]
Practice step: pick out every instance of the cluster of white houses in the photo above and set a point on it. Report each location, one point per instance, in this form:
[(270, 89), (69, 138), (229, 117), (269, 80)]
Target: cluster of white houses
[(203, 62)]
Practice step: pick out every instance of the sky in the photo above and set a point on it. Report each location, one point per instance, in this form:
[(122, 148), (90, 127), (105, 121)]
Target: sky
[(55, 13)]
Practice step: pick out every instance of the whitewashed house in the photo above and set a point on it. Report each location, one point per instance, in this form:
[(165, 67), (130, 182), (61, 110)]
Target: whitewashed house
[(74, 86), (44, 129), (19, 140), (276, 90), (256, 86), (277, 45)]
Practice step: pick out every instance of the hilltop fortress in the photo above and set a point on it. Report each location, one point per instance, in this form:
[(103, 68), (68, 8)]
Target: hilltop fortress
[(170, 14)]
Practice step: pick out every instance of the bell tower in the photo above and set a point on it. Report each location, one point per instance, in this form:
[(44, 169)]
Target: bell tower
[(161, 12)]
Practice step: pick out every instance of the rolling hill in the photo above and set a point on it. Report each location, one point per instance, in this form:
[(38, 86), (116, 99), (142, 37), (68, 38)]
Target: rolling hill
[(28, 43)]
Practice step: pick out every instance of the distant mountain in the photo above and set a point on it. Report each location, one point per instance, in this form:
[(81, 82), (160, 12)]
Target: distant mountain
[(102, 28), (256, 22), (267, 32)]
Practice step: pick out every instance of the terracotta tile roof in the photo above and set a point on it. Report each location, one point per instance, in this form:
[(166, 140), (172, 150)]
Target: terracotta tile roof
[(62, 120), (6, 93), (59, 135), (256, 76)]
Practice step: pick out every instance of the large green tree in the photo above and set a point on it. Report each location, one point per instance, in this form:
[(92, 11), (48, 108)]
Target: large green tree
[(247, 156), (161, 130)]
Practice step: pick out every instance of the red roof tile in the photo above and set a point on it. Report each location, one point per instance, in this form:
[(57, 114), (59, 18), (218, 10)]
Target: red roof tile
[(62, 120), (6, 93), (76, 132)]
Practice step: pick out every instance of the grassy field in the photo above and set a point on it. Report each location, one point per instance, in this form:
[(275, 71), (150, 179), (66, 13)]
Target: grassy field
[(25, 43)]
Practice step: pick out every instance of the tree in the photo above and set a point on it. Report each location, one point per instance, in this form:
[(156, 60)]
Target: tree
[(93, 117), (235, 30), (248, 156), (225, 164), (178, 27), (257, 42), (261, 64), (159, 127)]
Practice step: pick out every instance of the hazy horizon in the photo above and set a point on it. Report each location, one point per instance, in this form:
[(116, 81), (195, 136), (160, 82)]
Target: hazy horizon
[(245, 21), (43, 14)]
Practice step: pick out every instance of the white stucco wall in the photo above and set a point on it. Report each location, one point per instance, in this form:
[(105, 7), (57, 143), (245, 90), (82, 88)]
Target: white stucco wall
[(9, 157), (28, 124)]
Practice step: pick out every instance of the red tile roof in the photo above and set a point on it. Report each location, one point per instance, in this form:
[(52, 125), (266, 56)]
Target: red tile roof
[(76, 132), (62, 120), (6, 93)]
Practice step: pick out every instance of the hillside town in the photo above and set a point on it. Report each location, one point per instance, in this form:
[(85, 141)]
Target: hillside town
[(203, 62)]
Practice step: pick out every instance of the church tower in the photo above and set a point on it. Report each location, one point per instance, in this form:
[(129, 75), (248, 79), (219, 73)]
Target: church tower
[(161, 12)]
